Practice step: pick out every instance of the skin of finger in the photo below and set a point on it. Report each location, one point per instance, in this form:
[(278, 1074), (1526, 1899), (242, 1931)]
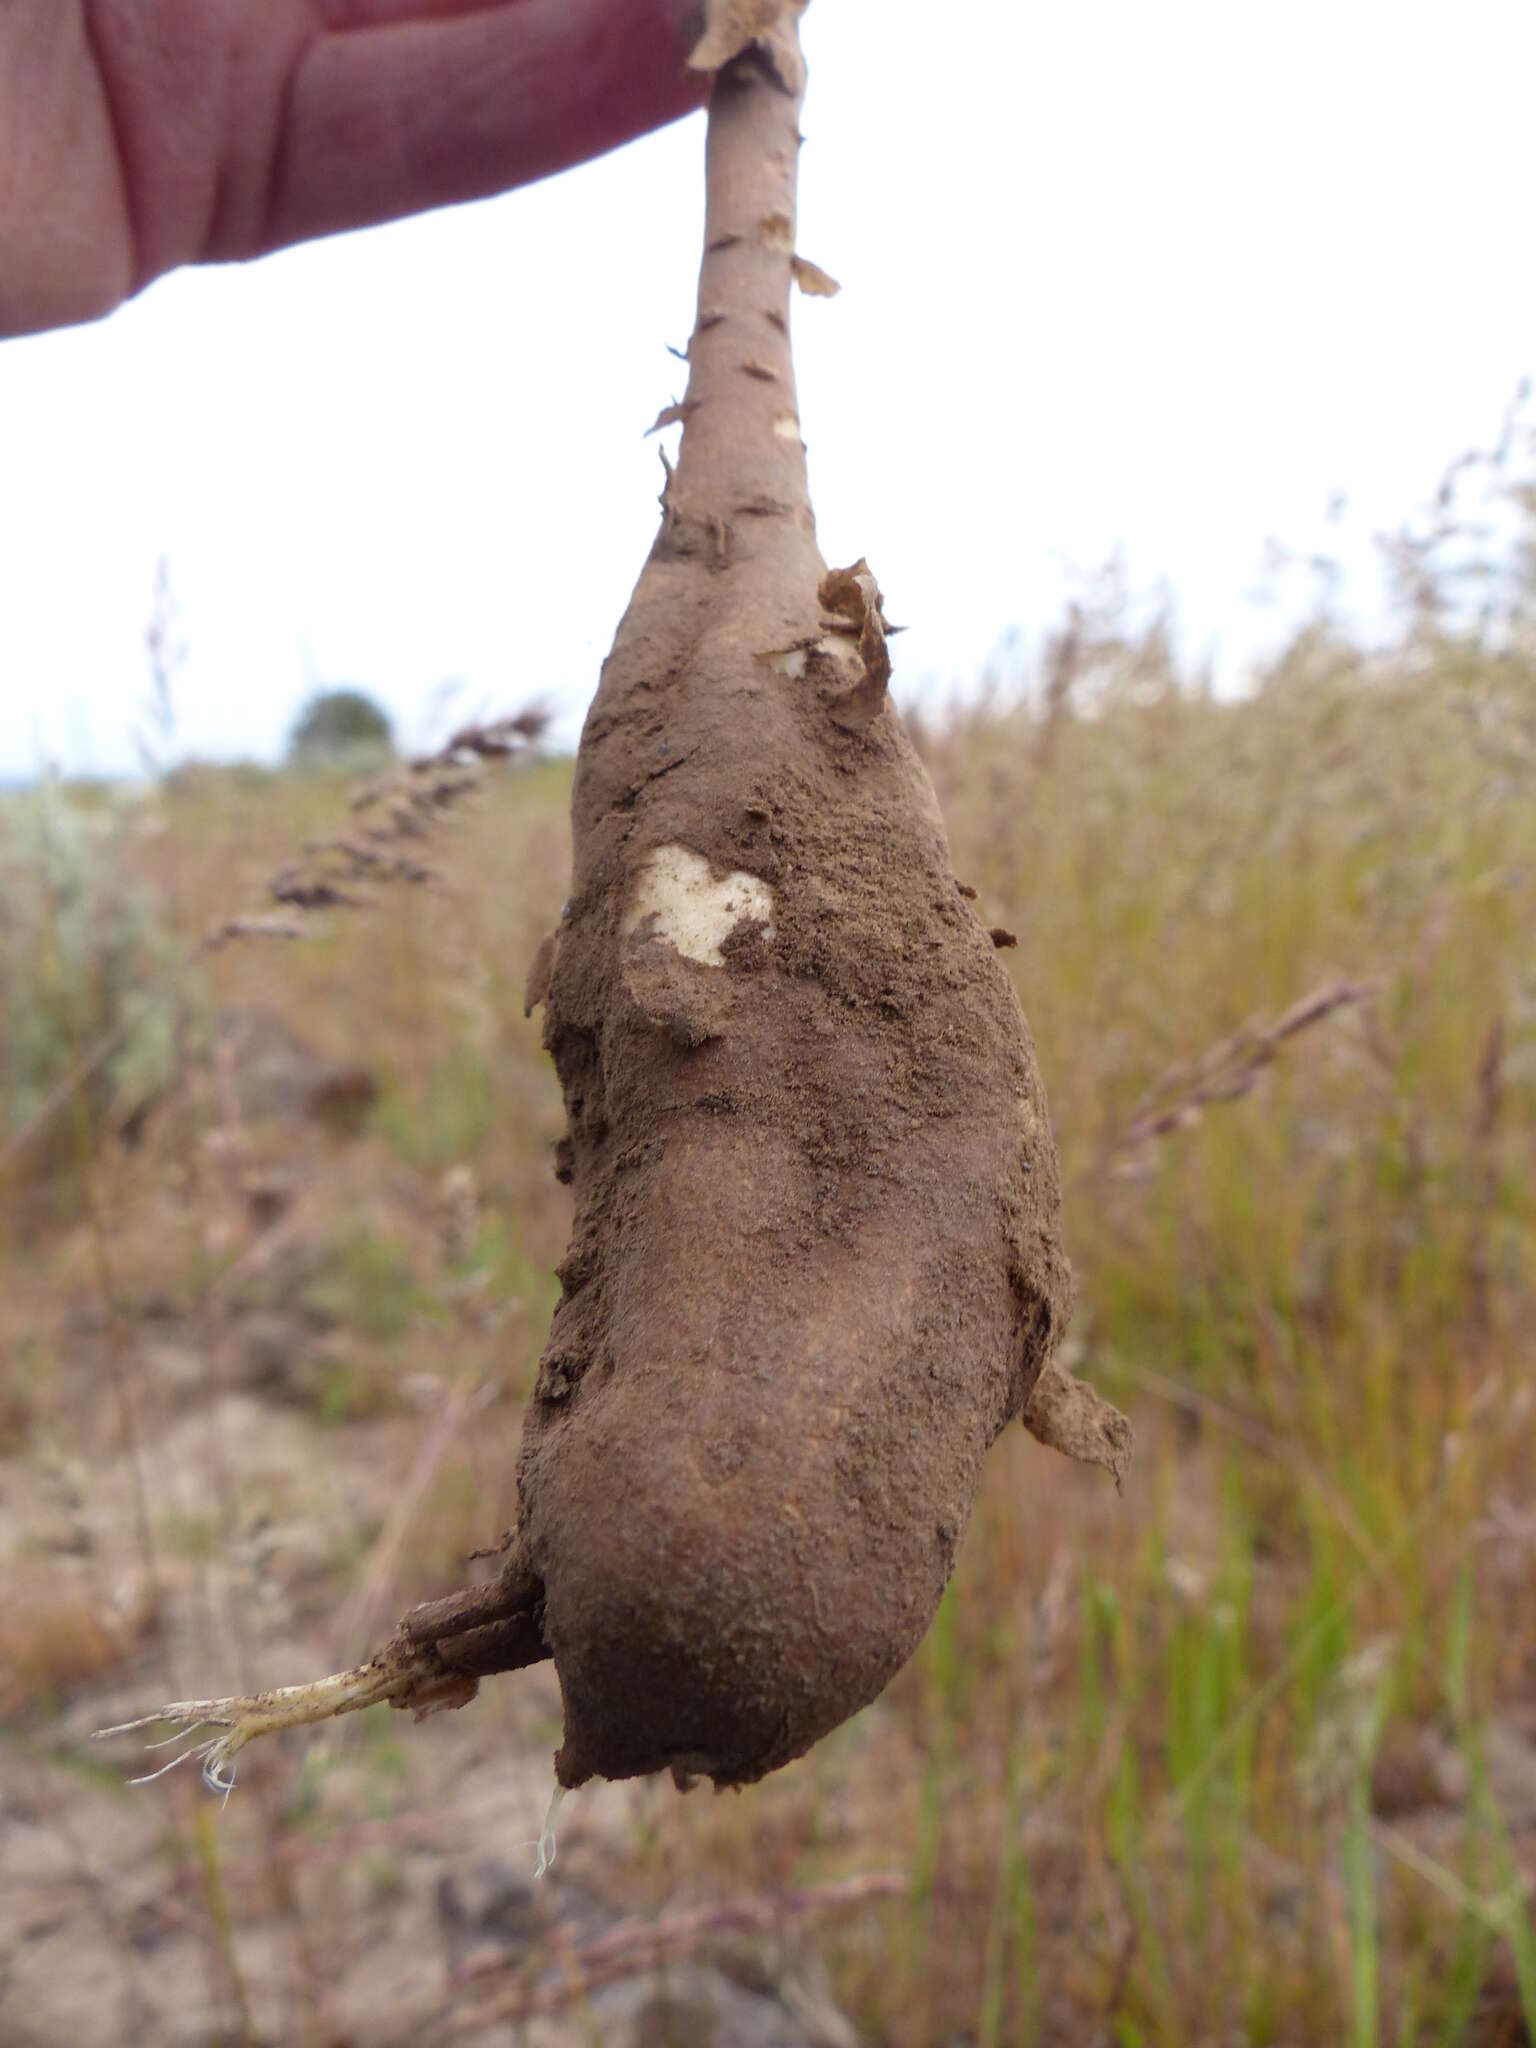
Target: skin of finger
[(389, 120), (347, 14), (65, 242), (200, 91), (137, 135)]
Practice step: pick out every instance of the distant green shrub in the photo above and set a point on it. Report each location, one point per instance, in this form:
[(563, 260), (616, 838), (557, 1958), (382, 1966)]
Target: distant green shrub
[(84, 954), (447, 1116), (342, 729), (366, 1283)]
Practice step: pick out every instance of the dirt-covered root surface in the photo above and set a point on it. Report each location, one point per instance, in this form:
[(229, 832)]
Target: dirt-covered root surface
[(814, 1269), (815, 1265)]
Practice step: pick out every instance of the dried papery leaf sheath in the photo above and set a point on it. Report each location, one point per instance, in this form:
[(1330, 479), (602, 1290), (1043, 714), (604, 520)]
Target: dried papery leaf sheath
[(732, 26)]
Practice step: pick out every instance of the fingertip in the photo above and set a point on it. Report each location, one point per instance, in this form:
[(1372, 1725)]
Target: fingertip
[(393, 120)]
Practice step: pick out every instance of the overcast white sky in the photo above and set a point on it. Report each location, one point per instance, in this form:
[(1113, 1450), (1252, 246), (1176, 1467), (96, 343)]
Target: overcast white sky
[(1160, 276)]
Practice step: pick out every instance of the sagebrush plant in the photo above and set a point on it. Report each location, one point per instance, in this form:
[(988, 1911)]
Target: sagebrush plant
[(84, 956)]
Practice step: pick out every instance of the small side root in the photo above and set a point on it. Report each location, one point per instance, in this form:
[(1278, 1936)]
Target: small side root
[(433, 1662), (402, 1675), (546, 1845), (1066, 1415)]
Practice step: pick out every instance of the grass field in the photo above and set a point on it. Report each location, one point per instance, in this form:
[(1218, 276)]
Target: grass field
[(1247, 1755)]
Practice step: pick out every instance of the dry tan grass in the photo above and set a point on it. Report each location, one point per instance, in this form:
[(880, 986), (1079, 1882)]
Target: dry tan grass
[(52, 1644), (1147, 1775)]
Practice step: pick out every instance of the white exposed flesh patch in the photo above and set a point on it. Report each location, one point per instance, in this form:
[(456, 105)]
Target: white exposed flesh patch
[(838, 647), (787, 427), (794, 661), (693, 910)]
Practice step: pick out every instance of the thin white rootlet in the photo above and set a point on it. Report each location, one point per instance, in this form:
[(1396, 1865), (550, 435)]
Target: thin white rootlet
[(546, 1842), (678, 891)]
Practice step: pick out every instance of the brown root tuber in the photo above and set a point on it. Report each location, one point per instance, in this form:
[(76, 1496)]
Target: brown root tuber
[(815, 1266)]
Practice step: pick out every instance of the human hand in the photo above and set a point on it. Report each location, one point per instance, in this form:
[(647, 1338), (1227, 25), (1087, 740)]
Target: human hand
[(138, 135)]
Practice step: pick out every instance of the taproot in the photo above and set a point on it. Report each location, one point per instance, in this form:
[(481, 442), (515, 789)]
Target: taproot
[(815, 1265)]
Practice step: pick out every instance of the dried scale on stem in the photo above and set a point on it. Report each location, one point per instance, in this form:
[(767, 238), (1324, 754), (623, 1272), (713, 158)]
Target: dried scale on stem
[(815, 1264)]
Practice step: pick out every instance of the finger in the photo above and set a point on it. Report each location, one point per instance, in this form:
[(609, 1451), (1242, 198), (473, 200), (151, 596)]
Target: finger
[(65, 229), (345, 14), (389, 120)]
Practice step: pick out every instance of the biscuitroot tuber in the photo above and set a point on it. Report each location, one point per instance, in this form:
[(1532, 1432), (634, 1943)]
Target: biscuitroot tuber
[(815, 1266)]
